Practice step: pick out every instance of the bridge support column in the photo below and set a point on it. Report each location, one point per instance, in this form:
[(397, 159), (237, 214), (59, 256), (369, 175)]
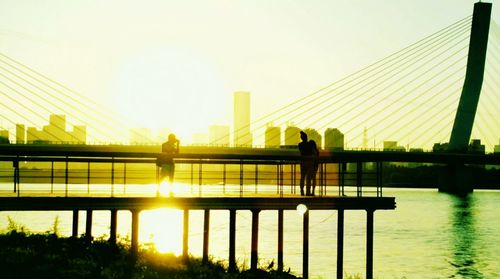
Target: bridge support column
[(340, 244), (135, 231), (466, 111), (255, 239), (88, 226), (456, 179), (113, 226), (305, 246), (74, 231), (232, 240), (280, 239), (369, 243), (185, 235), (206, 234)]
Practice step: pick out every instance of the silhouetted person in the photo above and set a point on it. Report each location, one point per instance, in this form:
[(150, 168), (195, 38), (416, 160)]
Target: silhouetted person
[(308, 153), (166, 162), (315, 164)]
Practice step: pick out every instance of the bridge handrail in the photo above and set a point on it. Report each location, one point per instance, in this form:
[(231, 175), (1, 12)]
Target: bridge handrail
[(326, 156)]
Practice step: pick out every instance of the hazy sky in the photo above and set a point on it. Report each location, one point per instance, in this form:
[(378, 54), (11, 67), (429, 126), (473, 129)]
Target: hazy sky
[(119, 52)]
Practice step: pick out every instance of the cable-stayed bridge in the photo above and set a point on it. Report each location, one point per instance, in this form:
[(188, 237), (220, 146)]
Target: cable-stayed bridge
[(410, 96)]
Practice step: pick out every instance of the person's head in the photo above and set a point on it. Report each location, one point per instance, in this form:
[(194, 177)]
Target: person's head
[(303, 136), (171, 137)]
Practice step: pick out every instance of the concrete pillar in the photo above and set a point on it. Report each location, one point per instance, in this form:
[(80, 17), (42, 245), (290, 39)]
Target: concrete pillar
[(206, 233), (113, 225), (185, 235), (135, 231), (255, 239), (74, 231), (232, 240)]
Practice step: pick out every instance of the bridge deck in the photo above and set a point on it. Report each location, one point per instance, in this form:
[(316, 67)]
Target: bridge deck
[(217, 203)]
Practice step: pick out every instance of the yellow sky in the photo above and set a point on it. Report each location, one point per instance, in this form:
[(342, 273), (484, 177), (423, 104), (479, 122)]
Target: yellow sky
[(175, 64)]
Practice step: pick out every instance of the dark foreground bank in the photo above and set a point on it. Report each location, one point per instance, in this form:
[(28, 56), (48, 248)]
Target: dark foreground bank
[(26, 255)]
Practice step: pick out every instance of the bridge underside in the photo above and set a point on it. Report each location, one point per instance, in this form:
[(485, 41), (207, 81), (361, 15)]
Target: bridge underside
[(196, 203)]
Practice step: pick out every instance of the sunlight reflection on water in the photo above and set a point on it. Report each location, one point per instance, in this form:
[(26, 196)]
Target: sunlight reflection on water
[(429, 235)]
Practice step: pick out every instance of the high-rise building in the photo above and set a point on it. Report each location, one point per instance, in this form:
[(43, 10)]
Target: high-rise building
[(312, 134), (497, 147), (54, 132), (33, 135), (241, 125), (79, 134), (292, 135), (20, 134), (218, 135), (334, 139), (273, 136), (4, 136)]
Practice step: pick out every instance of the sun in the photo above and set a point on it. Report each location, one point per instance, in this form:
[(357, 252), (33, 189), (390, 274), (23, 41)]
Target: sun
[(163, 227), (173, 88)]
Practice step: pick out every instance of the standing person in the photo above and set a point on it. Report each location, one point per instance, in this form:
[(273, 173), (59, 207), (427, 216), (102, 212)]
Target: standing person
[(306, 164), (165, 161)]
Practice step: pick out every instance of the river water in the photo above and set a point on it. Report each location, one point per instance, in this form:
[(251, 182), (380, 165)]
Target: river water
[(429, 235)]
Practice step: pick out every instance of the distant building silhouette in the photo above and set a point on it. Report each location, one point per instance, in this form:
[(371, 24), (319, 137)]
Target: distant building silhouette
[(4, 136), (218, 135), (20, 134), (334, 139), (273, 136), (393, 146), (497, 147), (56, 132), (292, 135), (241, 125), (140, 136), (440, 147), (312, 134), (475, 146)]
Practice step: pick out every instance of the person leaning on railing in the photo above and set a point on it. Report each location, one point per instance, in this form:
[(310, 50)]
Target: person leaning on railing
[(165, 160)]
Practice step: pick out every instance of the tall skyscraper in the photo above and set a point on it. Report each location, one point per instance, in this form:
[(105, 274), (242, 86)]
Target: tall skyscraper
[(20, 134), (4, 136), (273, 136), (241, 125), (292, 135), (334, 139), (54, 132)]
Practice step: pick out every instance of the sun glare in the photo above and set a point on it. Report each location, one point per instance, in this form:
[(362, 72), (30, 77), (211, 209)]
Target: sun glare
[(165, 189), (163, 227), (173, 88)]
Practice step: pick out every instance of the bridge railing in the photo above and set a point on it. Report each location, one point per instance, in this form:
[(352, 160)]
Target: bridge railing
[(135, 173)]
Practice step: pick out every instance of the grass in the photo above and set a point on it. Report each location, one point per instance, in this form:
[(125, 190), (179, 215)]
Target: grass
[(47, 255)]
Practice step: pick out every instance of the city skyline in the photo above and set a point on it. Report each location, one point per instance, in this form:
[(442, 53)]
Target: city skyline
[(183, 82)]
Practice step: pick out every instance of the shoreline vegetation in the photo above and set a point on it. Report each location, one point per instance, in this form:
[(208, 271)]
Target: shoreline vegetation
[(49, 255)]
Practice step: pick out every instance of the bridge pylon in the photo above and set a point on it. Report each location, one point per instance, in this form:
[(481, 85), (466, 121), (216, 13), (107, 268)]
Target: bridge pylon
[(464, 119), (457, 178)]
